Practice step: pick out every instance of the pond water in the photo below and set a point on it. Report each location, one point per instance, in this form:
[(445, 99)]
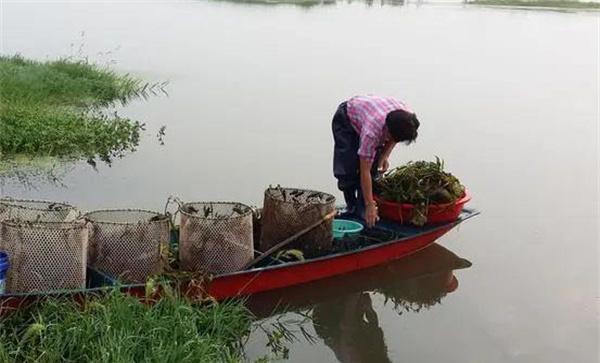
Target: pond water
[(509, 98)]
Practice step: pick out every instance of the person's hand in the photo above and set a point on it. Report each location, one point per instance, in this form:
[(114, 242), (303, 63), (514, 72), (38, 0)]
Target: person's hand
[(371, 216), (383, 166)]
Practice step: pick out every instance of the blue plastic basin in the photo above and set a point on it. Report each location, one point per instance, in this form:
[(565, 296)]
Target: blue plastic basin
[(345, 228)]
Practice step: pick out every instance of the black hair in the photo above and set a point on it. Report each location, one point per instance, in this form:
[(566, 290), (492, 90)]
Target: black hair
[(402, 126)]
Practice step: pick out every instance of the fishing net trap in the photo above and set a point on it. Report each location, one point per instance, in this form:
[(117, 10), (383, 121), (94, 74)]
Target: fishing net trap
[(215, 237), (286, 211), (36, 211), (45, 256), (129, 244), (45, 243)]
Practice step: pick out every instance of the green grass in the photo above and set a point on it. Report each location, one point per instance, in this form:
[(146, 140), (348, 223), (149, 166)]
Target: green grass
[(57, 108), (40, 130), (117, 328), (62, 82), (558, 4)]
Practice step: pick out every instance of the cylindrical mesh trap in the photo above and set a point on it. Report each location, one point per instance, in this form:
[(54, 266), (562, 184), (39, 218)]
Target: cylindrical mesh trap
[(215, 237), (129, 244), (37, 211), (45, 256), (287, 211)]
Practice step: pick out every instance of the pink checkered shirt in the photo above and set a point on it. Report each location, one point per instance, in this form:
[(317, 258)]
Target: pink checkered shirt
[(367, 115)]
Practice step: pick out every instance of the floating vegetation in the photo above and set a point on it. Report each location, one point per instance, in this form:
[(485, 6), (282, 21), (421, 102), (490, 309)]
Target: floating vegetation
[(31, 171), (59, 108), (420, 183)]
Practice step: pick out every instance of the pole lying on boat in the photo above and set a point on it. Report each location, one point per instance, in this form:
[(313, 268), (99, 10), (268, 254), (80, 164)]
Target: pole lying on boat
[(289, 240)]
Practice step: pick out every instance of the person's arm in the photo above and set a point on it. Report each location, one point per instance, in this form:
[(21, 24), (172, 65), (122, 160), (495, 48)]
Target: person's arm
[(367, 190), (384, 163)]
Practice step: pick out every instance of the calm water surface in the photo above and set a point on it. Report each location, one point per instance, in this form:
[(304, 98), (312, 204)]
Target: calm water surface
[(508, 98)]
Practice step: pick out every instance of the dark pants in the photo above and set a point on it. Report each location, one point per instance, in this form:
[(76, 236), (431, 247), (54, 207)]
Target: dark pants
[(346, 162)]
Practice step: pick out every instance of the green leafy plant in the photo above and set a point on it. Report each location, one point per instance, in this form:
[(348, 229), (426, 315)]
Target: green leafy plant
[(116, 327), (420, 183), (59, 108)]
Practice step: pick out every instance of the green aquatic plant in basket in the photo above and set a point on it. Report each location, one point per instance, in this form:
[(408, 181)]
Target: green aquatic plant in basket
[(420, 184)]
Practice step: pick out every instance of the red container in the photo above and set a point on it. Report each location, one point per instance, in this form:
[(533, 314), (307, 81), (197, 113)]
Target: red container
[(436, 213)]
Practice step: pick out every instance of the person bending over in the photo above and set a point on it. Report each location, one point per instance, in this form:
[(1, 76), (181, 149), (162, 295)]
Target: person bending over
[(365, 131)]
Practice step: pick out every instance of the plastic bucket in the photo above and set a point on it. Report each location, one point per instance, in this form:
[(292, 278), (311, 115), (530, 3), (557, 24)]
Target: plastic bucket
[(345, 228), (4, 264), (436, 213)]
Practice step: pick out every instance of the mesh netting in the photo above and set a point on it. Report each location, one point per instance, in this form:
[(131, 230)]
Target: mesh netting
[(36, 211), (128, 244), (45, 256), (215, 237), (287, 211)]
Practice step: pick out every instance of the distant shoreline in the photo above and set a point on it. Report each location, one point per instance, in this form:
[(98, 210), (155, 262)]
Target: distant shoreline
[(533, 4), (546, 4)]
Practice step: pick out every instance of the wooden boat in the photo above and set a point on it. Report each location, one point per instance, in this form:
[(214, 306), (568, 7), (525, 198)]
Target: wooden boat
[(406, 240), (430, 272), (410, 240)]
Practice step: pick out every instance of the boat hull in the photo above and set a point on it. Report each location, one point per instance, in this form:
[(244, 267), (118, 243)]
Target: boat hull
[(263, 279), (251, 282)]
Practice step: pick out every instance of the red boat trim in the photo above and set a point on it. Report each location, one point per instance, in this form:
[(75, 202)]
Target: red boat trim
[(471, 214), (281, 276)]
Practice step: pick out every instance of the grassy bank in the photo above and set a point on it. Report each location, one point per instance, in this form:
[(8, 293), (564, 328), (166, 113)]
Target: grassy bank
[(117, 328), (554, 4), (57, 108)]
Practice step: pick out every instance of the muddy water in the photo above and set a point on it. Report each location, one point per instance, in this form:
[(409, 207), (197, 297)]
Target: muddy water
[(509, 98)]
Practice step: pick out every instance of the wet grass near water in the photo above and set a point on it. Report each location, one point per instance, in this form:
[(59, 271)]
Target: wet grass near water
[(118, 328), (59, 108)]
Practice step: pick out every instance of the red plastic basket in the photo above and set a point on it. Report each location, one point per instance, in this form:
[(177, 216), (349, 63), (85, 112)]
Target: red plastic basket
[(436, 213)]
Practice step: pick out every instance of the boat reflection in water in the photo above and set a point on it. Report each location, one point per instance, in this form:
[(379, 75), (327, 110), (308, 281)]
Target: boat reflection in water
[(342, 310)]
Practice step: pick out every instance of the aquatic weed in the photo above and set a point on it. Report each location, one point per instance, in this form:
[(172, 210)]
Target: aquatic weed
[(420, 183)]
